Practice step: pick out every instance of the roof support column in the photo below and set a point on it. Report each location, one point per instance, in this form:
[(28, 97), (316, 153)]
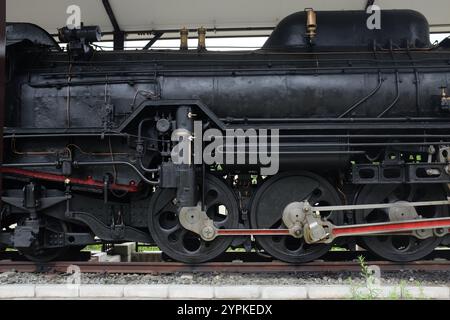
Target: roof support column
[(2, 79), (119, 40)]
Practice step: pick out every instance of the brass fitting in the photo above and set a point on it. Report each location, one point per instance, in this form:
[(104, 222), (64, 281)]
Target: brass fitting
[(444, 92), (445, 99), (311, 23), (201, 39), (184, 33)]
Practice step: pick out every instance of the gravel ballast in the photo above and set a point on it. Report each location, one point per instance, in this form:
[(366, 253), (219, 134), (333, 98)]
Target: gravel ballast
[(434, 278)]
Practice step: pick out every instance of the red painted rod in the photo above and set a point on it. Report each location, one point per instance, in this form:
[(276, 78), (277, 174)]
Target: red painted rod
[(341, 231), (252, 232), (392, 227), (58, 178)]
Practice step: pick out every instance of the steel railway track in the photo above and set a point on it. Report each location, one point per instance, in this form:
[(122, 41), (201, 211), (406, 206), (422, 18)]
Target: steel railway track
[(437, 262)]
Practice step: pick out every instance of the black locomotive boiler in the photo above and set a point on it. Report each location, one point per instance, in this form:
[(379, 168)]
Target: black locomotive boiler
[(363, 134)]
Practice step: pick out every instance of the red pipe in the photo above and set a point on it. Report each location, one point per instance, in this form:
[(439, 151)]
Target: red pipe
[(58, 178), (252, 232)]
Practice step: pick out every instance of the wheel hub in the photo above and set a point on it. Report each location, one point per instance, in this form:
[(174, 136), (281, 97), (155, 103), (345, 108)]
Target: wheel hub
[(402, 211), (302, 221)]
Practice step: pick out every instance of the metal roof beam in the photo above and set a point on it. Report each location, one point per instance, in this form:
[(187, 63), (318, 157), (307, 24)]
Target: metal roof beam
[(119, 35), (369, 3), (155, 38), (111, 15)]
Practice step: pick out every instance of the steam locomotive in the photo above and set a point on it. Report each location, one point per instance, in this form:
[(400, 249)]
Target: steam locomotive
[(361, 121)]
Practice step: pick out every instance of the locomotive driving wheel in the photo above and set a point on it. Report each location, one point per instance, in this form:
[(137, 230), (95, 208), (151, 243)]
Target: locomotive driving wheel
[(271, 200), (182, 245), (401, 248)]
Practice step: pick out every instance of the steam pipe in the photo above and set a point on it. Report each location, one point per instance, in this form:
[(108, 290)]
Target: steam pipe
[(397, 86), (360, 102)]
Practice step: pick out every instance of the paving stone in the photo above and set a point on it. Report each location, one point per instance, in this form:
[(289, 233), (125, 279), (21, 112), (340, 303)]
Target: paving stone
[(375, 292), (101, 291), (284, 292), (237, 292), (440, 293), (16, 291), (329, 292), (57, 291), (390, 292), (146, 291), (191, 292)]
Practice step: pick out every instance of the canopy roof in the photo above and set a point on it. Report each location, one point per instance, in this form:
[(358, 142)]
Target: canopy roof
[(230, 18)]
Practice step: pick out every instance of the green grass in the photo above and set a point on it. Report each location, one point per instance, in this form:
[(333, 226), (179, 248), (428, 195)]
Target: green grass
[(335, 248), (93, 247)]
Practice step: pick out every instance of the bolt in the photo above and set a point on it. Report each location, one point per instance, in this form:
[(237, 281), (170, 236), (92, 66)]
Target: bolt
[(208, 233)]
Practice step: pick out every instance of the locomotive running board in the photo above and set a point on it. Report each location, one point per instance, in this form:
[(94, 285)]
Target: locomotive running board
[(353, 230)]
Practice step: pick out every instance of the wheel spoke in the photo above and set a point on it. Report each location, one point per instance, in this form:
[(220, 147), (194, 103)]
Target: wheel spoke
[(294, 245), (220, 224), (172, 230), (270, 202), (186, 246), (397, 247)]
